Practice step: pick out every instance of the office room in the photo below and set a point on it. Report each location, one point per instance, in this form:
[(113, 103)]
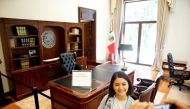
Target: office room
[(62, 17)]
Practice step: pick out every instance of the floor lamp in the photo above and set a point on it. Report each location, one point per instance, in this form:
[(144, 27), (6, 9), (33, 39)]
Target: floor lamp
[(125, 47)]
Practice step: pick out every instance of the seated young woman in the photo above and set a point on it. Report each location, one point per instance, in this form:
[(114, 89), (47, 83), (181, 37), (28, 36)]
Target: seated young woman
[(120, 91)]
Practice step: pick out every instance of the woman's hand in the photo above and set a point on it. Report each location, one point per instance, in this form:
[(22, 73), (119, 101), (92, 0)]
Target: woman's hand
[(141, 105), (179, 105)]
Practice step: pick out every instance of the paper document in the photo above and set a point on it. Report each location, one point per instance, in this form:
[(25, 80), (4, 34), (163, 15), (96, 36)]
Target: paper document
[(81, 78)]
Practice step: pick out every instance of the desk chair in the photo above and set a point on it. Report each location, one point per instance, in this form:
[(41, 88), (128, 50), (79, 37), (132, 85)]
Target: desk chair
[(68, 62), (177, 76)]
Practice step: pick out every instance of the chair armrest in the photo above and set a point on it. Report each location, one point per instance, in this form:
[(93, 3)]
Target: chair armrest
[(144, 82), (140, 88)]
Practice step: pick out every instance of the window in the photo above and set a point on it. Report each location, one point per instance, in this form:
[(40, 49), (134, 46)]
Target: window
[(140, 31)]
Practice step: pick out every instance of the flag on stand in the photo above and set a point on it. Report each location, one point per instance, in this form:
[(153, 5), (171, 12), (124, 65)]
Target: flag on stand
[(111, 46)]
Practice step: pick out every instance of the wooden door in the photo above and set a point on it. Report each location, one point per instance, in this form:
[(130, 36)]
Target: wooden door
[(88, 18)]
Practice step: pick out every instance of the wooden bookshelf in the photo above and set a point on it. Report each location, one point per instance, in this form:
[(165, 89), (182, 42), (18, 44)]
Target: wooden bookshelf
[(28, 44)]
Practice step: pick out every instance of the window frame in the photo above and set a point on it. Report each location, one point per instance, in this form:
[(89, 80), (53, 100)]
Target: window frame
[(140, 23)]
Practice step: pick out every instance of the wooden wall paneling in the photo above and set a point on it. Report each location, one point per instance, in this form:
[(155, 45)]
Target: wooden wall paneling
[(38, 73), (88, 18), (58, 29)]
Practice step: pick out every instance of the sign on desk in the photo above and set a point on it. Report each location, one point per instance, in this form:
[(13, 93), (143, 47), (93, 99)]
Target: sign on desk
[(82, 78)]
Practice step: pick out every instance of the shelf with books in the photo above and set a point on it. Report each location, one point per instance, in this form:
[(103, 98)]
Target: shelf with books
[(75, 39), (23, 41), (28, 59)]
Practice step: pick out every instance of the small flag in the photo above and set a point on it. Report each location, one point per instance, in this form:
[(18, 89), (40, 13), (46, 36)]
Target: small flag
[(111, 46)]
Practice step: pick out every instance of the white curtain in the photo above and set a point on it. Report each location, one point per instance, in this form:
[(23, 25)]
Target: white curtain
[(163, 13), (117, 20)]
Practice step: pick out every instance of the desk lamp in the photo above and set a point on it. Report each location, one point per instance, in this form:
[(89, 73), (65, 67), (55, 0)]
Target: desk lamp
[(125, 47)]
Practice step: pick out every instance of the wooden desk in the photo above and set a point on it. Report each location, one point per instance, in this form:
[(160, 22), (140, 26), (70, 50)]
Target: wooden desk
[(177, 63), (79, 98)]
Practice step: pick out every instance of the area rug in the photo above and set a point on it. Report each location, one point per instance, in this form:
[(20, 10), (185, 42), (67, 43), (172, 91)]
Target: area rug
[(182, 96), (28, 103)]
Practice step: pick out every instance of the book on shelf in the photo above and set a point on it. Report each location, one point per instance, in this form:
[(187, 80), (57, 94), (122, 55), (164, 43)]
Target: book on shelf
[(24, 63), (68, 47), (32, 41), (12, 43), (28, 42), (24, 41), (21, 30), (78, 39), (76, 46)]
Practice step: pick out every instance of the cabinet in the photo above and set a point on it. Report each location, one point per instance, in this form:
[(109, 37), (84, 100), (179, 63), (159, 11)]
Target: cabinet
[(35, 77), (29, 46), (22, 77)]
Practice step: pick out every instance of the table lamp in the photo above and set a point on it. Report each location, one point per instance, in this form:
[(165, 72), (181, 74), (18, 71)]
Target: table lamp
[(125, 47)]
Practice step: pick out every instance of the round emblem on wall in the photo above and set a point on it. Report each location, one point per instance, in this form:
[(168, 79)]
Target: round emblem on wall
[(48, 39)]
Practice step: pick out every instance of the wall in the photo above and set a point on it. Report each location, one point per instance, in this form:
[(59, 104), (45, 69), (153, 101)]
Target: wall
[(57, 10), (53, 10), (178, 33)]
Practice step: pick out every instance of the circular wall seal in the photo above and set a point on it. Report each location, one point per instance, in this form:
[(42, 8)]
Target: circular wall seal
[(48, 39)]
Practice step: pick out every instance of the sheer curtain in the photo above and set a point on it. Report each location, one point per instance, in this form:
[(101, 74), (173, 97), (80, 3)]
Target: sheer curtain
[(118, 23), (164, 7)]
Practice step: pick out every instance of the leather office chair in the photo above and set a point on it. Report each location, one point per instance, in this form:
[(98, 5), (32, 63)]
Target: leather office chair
[(148, 94), (177, 76), (68, 62)]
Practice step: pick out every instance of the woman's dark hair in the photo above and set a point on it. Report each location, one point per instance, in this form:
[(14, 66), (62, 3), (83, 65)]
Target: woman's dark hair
[(119, 74)]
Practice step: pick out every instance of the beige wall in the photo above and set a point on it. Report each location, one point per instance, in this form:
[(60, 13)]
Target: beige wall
[(57, 10), (3, 70), (178, 32)]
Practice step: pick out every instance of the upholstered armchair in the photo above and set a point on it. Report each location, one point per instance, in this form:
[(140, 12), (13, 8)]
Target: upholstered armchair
[(143, 84), (68, 62), (146, 90), (177, 76)]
